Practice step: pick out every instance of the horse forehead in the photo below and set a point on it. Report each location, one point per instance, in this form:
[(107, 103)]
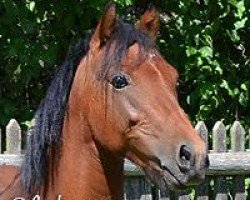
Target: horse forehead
[(133, 51), (162, 67), (155, 62)]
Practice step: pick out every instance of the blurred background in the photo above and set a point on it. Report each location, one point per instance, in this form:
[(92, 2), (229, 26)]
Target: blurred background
[(208, 41)]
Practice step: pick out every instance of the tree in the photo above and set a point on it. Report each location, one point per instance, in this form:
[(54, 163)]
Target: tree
[(207, 40)]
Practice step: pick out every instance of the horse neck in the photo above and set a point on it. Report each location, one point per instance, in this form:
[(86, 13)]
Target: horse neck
[(86, 170)]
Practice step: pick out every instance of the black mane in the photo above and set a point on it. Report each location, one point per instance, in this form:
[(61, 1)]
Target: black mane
[(50, 114), (49, 119)]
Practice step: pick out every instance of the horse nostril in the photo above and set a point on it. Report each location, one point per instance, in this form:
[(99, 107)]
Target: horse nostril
[(133, 123), (185, 158), (185, 153)]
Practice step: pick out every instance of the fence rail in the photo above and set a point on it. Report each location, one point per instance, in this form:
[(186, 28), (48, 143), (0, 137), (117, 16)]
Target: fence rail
[(227, 176)]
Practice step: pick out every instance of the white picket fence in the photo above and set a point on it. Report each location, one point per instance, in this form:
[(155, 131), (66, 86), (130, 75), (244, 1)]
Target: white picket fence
[(226, 176)]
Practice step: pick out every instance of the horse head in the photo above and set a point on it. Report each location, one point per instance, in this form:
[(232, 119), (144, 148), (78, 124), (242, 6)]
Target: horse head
[(132, 105)]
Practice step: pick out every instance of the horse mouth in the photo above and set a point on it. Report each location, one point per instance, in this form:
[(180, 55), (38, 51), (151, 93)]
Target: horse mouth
[(171, 180), (164, 178), (161, 176)]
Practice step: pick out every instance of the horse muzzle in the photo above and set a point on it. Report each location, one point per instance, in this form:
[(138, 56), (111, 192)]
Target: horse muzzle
[(187, 169)]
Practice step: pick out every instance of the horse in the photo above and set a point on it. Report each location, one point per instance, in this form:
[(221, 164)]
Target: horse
[(114, 97)]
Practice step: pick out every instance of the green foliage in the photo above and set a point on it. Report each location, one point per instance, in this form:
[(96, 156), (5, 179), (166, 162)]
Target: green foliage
[(34, 37), (207, 40)]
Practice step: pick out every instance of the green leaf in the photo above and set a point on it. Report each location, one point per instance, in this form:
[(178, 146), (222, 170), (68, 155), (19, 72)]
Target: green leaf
[(29, 123), (234, 3), (199, 61), (27, 26), (219, 69), (243, 100), (207, 68), (243, 86), (234, 36), (206, 51), (190, 51), (240, 24), (31, 6)]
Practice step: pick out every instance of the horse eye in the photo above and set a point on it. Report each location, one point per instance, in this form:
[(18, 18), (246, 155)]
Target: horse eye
[(119, 82)]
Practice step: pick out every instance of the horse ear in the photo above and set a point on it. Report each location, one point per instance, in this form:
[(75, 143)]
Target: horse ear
[(106, 25), (150, 22)]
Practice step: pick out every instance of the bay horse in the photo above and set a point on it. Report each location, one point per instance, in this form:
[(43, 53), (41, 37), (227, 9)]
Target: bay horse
[(113, 98)]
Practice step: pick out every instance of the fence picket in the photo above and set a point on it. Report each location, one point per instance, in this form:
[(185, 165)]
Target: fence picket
[(137, 188), (184, 195), (233, 163), (13, 138), (202, 191), (238, 144), (202, 131), (219, 137), (219, 145), (165, 195)]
